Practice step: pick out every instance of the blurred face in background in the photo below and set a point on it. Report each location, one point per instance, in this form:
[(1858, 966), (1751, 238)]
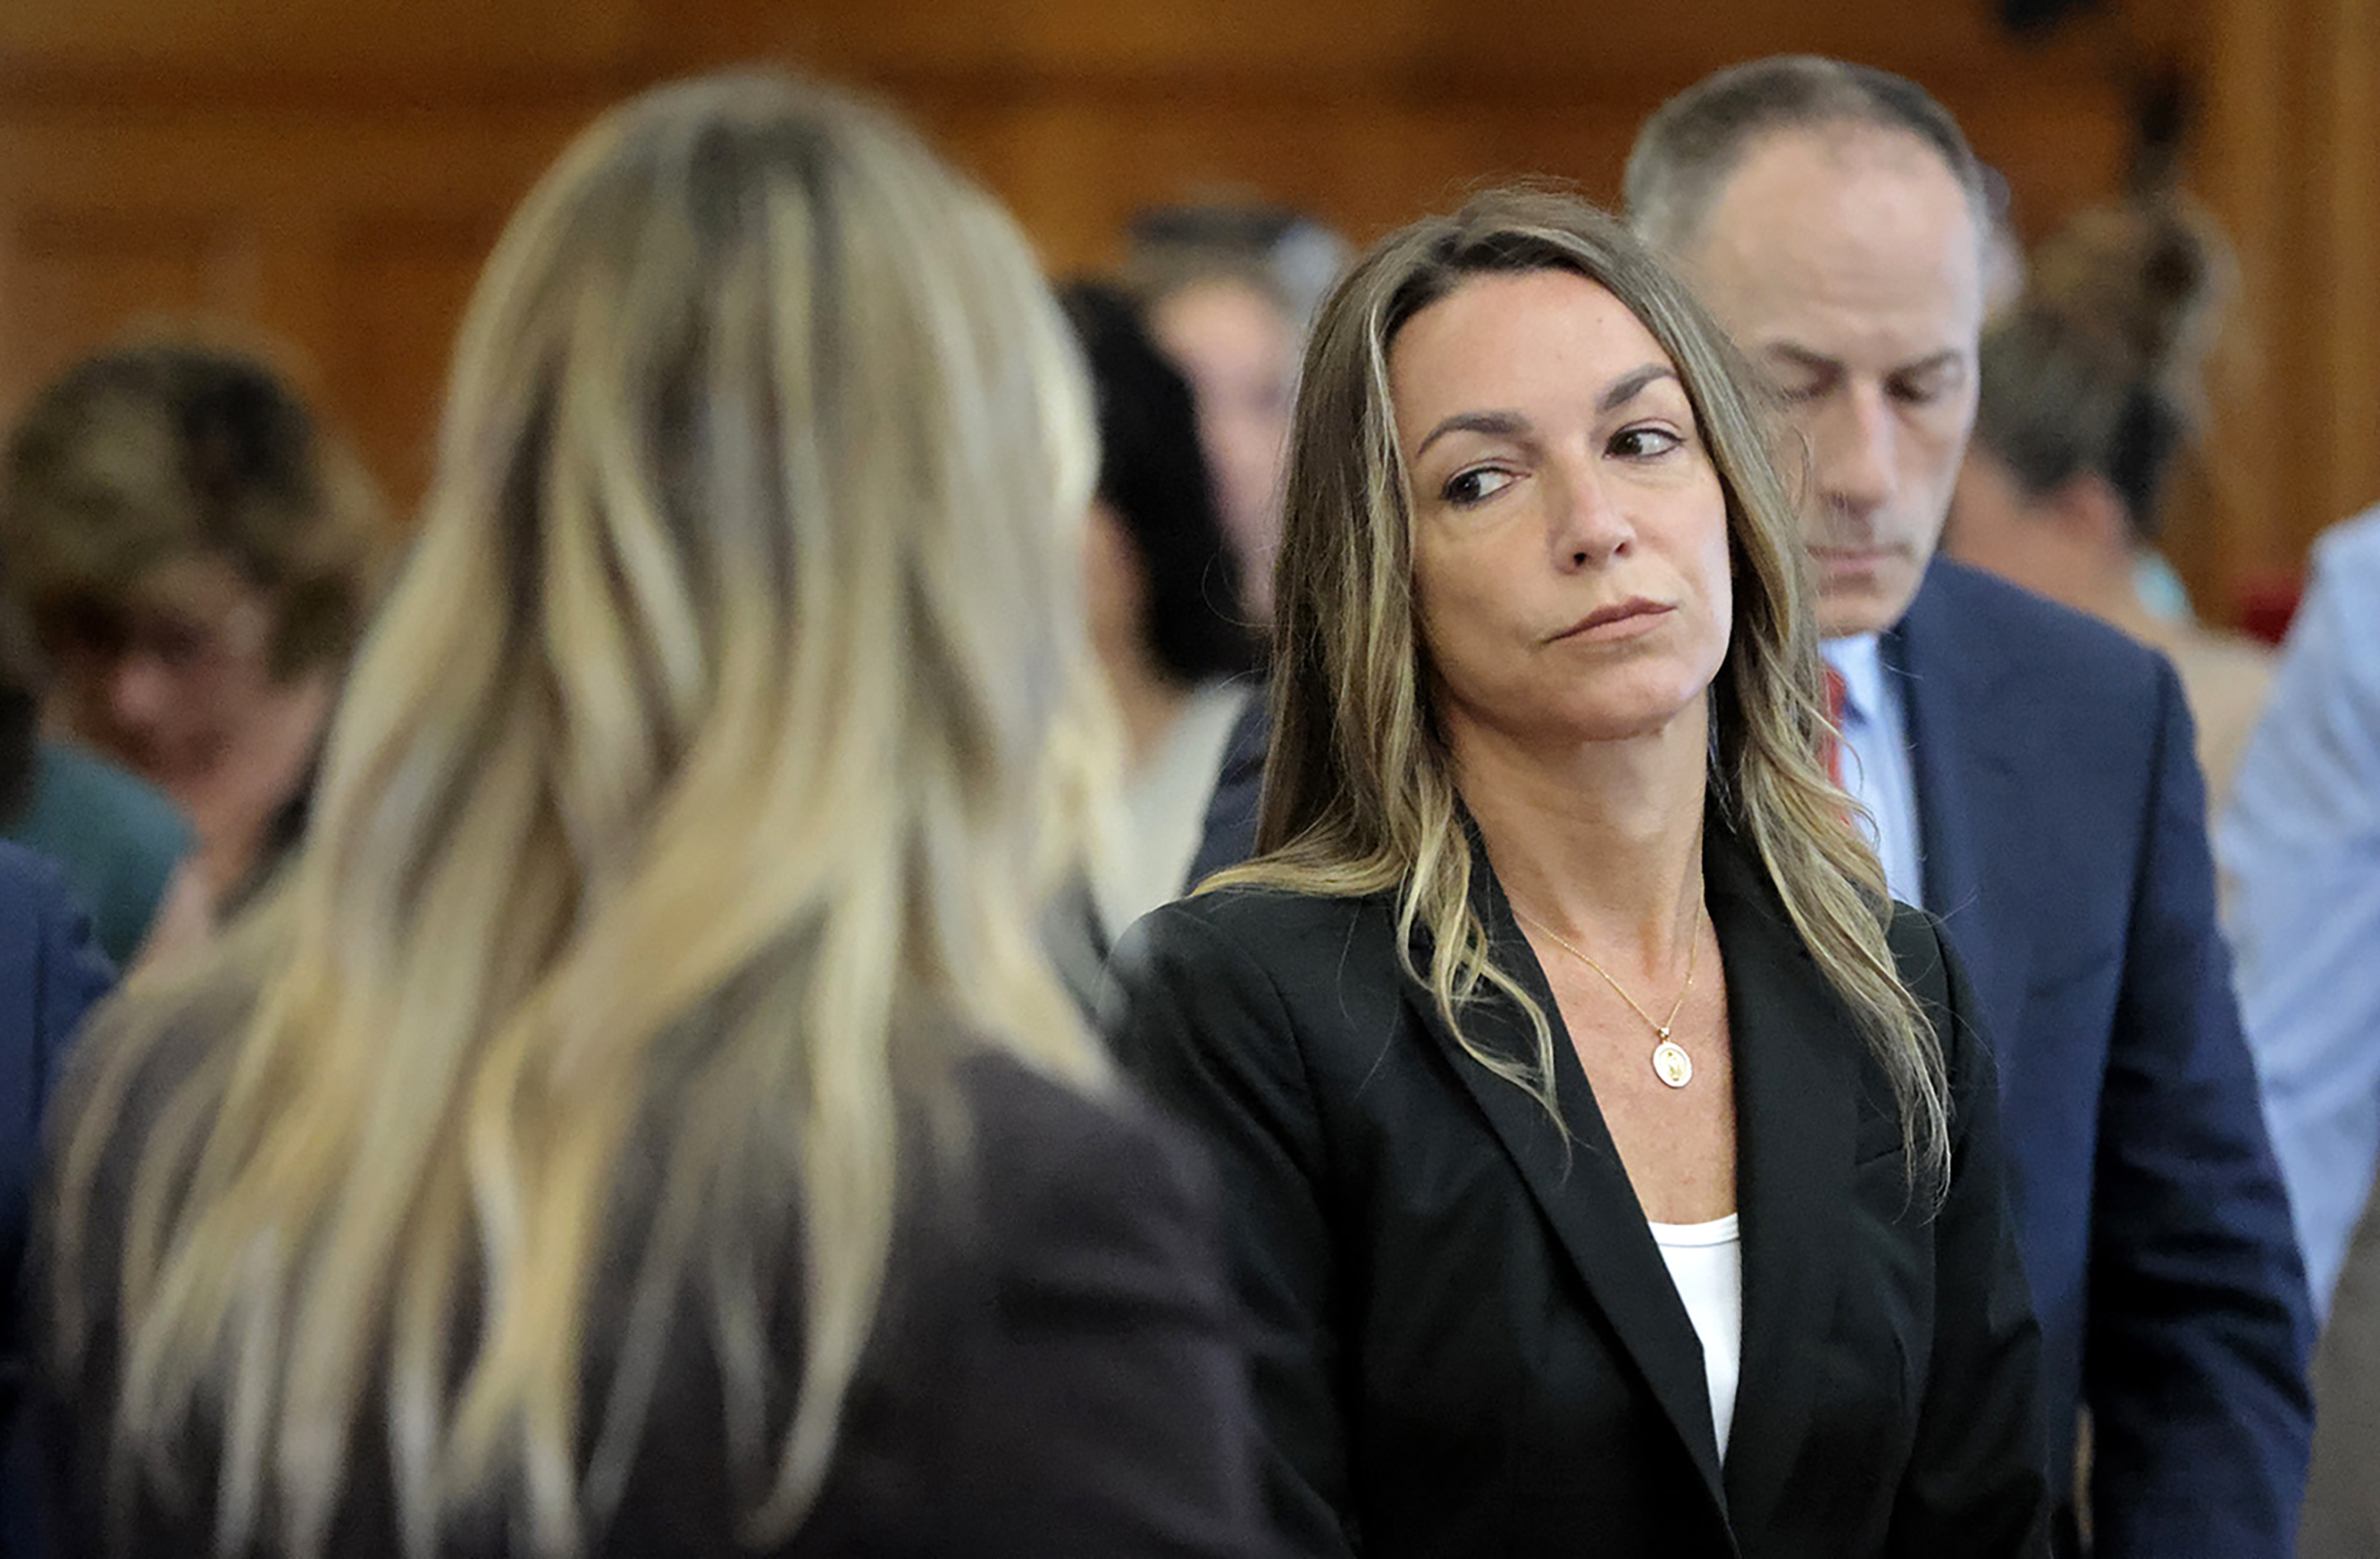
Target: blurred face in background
[(174, 680), (1239, 352), (1848, 266)]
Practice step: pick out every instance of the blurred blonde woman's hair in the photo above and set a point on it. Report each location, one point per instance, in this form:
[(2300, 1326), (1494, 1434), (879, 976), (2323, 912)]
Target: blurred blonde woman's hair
[(674, 838), (1360, 794)]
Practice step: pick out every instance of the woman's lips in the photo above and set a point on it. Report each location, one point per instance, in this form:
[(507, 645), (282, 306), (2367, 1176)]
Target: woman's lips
[(1620, 620)]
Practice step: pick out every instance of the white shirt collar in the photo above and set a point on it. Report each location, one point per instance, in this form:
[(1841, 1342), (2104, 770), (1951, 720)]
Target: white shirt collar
[(1859, 659)]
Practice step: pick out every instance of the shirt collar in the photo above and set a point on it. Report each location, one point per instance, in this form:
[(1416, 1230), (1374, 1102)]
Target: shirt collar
[(1859, 660)]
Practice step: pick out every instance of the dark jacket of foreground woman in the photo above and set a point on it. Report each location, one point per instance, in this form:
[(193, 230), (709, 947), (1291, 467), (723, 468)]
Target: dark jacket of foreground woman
[(1055, 1370), (1467, 1343)]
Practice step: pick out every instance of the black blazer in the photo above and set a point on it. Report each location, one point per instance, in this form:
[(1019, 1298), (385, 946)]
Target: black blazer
[(1055, 1369), (1467, 1343)]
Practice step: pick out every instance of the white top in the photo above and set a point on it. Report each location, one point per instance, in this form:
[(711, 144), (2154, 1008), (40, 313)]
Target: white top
[(1148, 845), (1706, 1262)]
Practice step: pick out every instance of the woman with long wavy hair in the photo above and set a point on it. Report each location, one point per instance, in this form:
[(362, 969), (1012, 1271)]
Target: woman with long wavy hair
[(1613, 1168), (642, 1121)]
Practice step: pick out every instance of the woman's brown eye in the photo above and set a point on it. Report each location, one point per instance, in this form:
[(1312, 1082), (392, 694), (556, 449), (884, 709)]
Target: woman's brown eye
[(1475, 485), (1637, 444)]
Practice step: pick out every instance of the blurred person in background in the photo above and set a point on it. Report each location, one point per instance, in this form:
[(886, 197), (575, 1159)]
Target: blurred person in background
[(198, 554), (120, 841), (2090, 394), (2027, 774), (1166, 619), (1226, 291), (2301, 852), (638, 1120), (1612, 1168)]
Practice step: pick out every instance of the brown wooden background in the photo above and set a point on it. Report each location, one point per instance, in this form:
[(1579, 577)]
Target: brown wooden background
[(329, 173)]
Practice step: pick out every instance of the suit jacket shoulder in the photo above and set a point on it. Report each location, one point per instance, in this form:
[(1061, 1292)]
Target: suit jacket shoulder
[(2062, 819), (1062, 1355), (2018, 633)]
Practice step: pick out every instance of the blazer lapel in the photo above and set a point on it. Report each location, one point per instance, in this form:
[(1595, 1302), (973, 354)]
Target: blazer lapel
[(1965, 784), (1579, 1186), (1913, 650), (1796, 1134)]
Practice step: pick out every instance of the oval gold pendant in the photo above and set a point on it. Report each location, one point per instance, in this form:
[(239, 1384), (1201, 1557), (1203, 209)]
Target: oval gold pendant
[(1672, 1064)]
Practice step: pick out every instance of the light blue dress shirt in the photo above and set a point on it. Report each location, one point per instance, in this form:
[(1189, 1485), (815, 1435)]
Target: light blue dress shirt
[(2300, 851), (1876, 768)]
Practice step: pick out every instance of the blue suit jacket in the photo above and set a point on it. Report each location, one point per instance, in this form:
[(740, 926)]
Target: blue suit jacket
[(51, 973), (2063, 822)]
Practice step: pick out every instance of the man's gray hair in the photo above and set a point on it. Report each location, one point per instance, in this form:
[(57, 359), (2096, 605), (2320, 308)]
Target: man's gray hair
[(1693, 142)]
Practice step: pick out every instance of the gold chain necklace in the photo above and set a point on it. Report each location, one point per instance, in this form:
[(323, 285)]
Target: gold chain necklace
[(1670, 1062)]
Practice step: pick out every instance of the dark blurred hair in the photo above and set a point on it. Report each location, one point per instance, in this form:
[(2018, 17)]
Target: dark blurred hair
[(2095, 369), (1288, 257), (1154, 479), (153, 453)]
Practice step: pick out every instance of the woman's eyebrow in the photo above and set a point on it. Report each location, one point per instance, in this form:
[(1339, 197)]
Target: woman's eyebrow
[(1512, 424), (1496, 424), (1629, 385)]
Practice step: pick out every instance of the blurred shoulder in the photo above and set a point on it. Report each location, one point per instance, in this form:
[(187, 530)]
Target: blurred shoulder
[(2030, 634), (1030, 1127), (1044, 1155), (2349, 553), (1273, 928), (107, 799)]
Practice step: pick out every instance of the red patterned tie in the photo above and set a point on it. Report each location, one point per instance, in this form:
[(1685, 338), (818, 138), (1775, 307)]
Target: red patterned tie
[(1830, 740)]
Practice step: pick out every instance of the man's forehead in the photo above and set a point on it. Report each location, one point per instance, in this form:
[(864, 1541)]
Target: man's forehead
[(1859, 165), (1867, 255)]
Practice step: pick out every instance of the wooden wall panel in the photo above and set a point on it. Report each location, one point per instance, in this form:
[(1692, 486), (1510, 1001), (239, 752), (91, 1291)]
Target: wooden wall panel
[(331, 172), (264, 40), (75, 278), (2345, 150), (332, 231), (2290, 160), (409, 279)]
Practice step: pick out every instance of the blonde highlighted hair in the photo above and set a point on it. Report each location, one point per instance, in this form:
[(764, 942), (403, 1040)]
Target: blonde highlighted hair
[(671, 843), (1360, 795)]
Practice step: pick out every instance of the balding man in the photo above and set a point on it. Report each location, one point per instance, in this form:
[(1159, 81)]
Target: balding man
[(2030, 779)]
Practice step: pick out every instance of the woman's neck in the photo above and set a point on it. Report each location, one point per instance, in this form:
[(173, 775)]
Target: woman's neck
[(1147, 698), (1599, 841)]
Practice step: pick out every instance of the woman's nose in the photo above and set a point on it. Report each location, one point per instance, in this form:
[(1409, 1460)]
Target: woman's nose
[(1590, 525)]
